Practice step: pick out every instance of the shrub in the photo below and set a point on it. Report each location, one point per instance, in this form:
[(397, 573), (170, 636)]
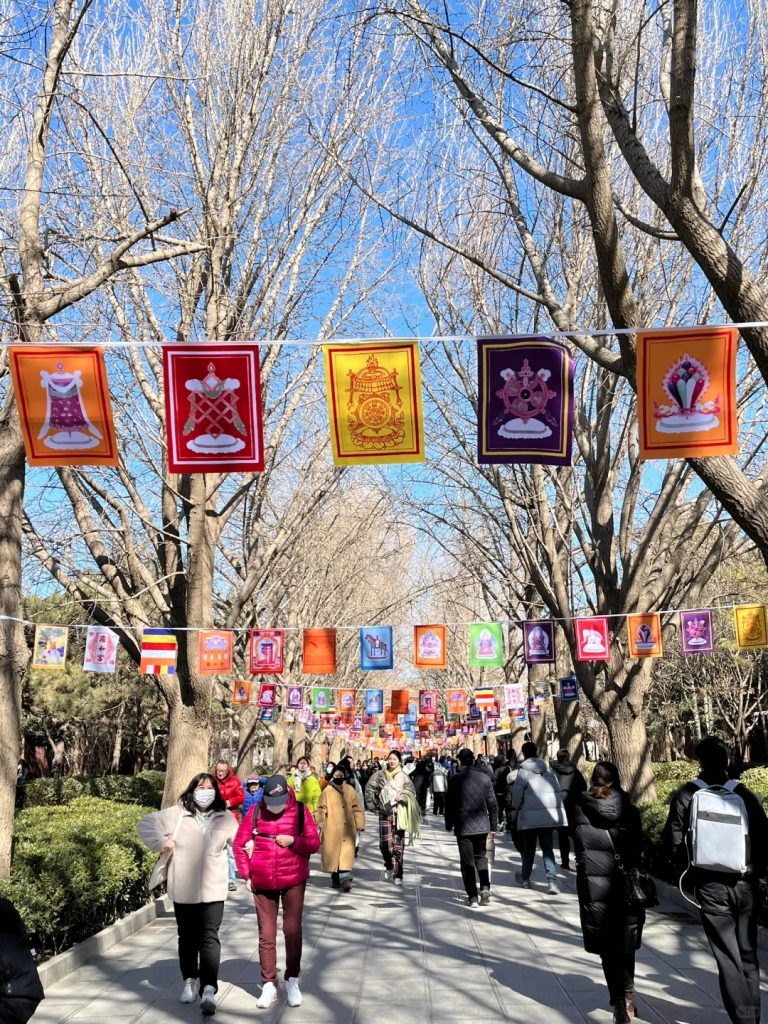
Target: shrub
[(123, 789), (76, 868), (675, 771)]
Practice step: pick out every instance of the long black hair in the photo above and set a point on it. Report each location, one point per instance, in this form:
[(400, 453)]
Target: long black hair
[(605, 780), (187, 798)]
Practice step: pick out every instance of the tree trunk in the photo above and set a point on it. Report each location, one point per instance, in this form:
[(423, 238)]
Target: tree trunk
[(188, 738), (569, 728), (117, 746), (630, 752), (279, 733), (13, 648)]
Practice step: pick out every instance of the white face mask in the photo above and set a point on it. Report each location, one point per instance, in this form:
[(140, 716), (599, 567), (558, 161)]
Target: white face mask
[(204, 797)]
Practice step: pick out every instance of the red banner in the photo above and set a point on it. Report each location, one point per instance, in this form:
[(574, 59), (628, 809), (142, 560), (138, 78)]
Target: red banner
[(213, 408)]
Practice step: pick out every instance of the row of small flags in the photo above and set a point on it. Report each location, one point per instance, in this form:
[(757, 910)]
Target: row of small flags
[(213, 408), (266, 647)]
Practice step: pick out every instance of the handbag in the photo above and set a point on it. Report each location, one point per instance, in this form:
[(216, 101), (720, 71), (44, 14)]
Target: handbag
[(639, 887), (159, 874)]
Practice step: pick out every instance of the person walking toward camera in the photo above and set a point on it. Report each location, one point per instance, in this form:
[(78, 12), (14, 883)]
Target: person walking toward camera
[(606, 826), (535, 809), (196, 833), (233, 795), (717, 828), (272, 850), (471, 811), (340, 819), (385, 790)]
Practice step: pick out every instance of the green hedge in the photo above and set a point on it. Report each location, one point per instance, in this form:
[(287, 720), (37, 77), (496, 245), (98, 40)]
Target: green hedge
[(77, 868), (145, 789)]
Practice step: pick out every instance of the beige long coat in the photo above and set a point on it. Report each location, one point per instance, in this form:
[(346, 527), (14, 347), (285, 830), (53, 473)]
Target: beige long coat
[(339, 817)]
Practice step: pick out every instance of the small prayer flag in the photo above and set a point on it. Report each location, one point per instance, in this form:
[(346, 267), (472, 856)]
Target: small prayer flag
[(50, 651), (456, 701), (686, 392), (494, 711), (569, 689), (539, 642), (267, 649), (533, 707), (214, 650), (374, 402), (484, 697), (399, 702), (158, 652), (592, 641), (213, 408), (101, 646), (427, 702), (750, 623), (486, 645), (346, 701), (267, 695), (474, 712), (430, 647), (525, 401), (295, 697), (62, 395), (267, 714), (514, 697), (319, 652), (374, 702), (542, 691), (322, 698), (376, 648), (696, 635), (241, 691), (644, 634)]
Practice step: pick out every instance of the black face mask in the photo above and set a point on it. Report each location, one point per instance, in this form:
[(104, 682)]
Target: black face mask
[(337, 782)]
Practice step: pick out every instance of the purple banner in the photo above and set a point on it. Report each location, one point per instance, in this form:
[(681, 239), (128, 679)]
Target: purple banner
[(539, 642), (525, 401), (696, 632)]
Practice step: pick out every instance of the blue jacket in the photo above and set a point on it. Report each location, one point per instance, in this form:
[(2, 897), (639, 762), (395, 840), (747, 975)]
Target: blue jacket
[(251, 799)]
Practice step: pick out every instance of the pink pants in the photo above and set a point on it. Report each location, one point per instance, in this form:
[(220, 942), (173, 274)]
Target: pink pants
[(267, 902)]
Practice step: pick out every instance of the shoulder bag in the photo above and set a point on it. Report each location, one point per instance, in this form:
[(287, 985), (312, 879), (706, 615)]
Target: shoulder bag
[(159, 874), (639, 887)]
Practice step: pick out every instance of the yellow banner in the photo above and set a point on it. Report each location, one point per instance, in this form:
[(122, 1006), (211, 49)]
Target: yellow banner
[(749, 620), (374, 402)]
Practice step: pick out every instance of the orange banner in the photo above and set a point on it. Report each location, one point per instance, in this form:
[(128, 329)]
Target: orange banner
[(644, 634), (214, 650), (62, 396), (319, 652), (686, 392), (430, 647)]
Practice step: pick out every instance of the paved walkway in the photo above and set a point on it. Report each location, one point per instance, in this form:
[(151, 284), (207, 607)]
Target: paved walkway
[(383, 955)]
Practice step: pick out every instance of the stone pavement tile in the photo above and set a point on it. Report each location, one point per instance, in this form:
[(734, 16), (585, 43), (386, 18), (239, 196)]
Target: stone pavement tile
[(54, 1008)]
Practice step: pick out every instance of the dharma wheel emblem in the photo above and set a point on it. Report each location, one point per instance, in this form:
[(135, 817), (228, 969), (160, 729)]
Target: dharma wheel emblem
[(375, 407)]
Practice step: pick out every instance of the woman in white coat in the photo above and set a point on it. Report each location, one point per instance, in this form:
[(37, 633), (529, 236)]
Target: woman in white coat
[(196, 832)]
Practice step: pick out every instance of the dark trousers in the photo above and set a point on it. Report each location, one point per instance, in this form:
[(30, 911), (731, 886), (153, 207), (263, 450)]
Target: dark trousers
[(564, 842), (267, 902), (474, 863), (729, 915), (438, 803), (199, 947), (619, 971)]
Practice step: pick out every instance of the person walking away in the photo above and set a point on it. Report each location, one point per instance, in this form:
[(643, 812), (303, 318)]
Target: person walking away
[(197, 831), (439, 787), (340, 818), (254, 787), (231, 789), (734, 843), (284, 836), (572, 785), (308, 789), (500, 774), (20, 987), (536, 808), (420, 777), (472, 813), (607, 825), (385, 790)]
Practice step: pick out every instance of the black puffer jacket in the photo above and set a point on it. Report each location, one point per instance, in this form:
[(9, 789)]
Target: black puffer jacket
[(20, 988), (470, 804), (606, 921), (572, 784)]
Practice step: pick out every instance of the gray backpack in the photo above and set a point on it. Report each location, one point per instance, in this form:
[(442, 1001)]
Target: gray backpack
[(719, 829)]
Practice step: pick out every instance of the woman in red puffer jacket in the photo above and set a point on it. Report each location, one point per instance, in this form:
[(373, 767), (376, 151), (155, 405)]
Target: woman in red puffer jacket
[(277, 868)]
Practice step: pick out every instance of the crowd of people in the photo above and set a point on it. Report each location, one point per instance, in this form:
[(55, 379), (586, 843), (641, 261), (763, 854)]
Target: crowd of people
[(266, 831)]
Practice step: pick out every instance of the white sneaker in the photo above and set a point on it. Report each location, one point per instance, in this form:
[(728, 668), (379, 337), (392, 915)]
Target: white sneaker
[(292, 988), (398, 881), (387, 876), (208, 1000), (268, 995), (189, 995)]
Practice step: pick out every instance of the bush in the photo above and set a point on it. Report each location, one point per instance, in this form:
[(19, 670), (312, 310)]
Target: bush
[(76, 868), (122, 789), (675, 771)]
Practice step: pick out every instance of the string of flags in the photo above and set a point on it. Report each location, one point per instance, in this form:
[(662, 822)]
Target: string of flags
[(686, 380)]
